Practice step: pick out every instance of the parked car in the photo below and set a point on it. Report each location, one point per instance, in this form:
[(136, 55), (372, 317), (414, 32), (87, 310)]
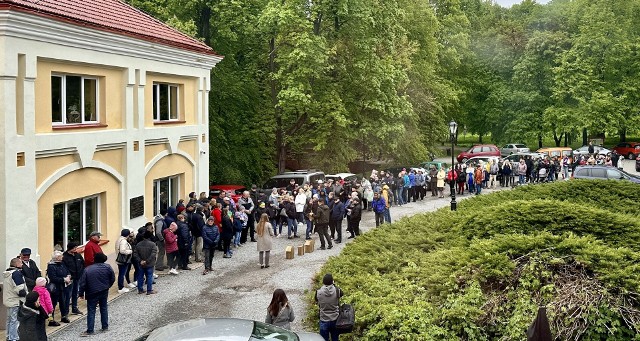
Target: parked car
[(302, 176), (513, 148), (483, 159), (516, 157), (560, 152), (628, 149), (226, 329), (638, 163), (341, 176), (234, 191), (604, 173), (437, 164), (479, 150), (584, 150)]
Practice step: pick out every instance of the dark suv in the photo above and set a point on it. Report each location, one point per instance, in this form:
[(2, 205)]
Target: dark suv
[(603, 173)]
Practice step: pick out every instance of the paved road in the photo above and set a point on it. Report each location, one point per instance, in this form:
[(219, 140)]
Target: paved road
[(237, 288)]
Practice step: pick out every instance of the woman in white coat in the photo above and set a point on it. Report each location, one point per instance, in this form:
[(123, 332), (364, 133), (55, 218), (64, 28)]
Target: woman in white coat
[(264, 233)]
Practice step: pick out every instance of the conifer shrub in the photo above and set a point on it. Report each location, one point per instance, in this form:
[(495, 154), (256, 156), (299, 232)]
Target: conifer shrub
[(480, 273)]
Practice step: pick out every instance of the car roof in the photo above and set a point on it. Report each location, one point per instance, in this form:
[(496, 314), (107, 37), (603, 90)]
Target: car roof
[(340, 175), (226, 187), (230, 329)]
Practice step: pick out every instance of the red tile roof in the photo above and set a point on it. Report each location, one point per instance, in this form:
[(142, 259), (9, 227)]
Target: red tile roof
[(109, 15)]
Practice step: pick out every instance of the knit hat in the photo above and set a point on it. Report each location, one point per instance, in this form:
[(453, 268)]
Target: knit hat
[(125, 232), (31, 299), (41, 281), (327, 279)]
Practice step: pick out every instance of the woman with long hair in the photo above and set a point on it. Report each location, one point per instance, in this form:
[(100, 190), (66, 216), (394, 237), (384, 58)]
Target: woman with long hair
[(279, 312), (265, 232), (227, 232)]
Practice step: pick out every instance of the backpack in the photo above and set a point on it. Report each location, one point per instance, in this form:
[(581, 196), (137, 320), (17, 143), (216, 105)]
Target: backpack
[(346, 319)]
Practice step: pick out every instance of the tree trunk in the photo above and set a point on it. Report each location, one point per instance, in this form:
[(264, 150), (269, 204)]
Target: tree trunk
[(585, 138), (566, 139), (480, 138), (557, 139), (539, 141), (623, 135), (204, 24)]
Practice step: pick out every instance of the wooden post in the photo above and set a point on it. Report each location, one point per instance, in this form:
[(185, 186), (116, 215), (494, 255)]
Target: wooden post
[(301, 250), (308, 246), (289, 252)]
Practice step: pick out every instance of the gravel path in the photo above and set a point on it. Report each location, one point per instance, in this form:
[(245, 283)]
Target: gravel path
[(237, 288)]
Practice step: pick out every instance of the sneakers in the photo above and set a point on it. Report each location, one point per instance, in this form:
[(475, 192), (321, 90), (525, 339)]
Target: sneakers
[(85, 334), (132, 285), (65, 319), (123, 291), (54, 323), (226, 256), (205, 272), (155, 276), (173, 272)]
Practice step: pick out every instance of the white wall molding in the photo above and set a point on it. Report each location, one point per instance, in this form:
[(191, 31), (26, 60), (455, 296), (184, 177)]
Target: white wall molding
[(74, 167)]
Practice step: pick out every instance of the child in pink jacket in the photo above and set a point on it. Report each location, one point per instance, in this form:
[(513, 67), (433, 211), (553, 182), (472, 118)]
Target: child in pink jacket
[(45, 296)]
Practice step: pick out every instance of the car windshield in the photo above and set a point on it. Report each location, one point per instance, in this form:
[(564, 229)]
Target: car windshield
[(566, 153), (520, 146), (263, 331)]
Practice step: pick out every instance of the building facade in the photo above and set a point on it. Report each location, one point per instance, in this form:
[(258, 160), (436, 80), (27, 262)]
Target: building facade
[(104, 121)]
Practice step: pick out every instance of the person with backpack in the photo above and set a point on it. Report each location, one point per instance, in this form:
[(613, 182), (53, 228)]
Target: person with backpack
[(159, 226), (328, 300)]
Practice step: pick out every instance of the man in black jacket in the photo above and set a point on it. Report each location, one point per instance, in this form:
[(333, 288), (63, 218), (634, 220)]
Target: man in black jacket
[(183, 241), (75, 263), (94, 286), (30, 270), (146, 252), (335, 220)]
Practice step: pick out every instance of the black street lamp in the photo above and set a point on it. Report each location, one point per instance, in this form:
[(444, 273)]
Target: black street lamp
[(453, 128)]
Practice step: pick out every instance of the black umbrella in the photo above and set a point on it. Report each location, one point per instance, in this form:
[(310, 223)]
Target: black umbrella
[(540, 330)]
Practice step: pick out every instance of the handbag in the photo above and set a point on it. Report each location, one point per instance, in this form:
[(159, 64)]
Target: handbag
[(283, 212), (51, 287), (122, 258)]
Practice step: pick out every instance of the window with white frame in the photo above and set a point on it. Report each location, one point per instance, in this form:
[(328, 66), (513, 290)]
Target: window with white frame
[(73, 221), (74, 99), (165, 102), (165, 193)]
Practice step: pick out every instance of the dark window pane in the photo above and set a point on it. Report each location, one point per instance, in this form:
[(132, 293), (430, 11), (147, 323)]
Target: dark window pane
[(164, 194), (90, 100), (73, 98), (90, 216), (74, 222), (173, 102), (155, 198), (155, 106), (164, 102), (173, 198), (56, 99), (58, 226)]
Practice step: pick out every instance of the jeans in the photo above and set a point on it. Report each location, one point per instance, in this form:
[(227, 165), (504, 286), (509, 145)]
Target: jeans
[(274, 224), (12, 323), (565, 173), (291, 227), (387, 215), (521, 179), (72, 293), (148, 273), (399, 196), (184, 259), (309, 228), (328, 328), (197, 250), (478, 189), (264, 255), (208, 257), (92, 302), (122, 270), (379, 218), (405, 195), (336, 226), (236, 238)]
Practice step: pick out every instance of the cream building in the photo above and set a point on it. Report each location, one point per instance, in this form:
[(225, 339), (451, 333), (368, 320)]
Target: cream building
[(104, 121)]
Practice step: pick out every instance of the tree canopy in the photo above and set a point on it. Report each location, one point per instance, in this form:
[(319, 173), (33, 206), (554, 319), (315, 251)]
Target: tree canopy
[(324, 83)]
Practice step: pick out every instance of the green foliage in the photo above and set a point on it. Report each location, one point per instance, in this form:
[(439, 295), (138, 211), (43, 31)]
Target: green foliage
[(481, 272)]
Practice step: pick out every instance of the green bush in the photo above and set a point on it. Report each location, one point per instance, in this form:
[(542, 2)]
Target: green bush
[(481, 272)]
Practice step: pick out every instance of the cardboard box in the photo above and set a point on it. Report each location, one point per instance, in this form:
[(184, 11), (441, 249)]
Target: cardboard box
[(289, 252), (301, 250), (308, 246)]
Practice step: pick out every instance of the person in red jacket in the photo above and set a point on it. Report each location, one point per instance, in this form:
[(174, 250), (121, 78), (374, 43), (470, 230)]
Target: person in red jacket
[(171, 247), (91, 248)]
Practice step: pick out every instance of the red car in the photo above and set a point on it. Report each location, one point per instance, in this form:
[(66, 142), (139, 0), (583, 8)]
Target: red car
[(234, 191), (479, 150), (628, 149)]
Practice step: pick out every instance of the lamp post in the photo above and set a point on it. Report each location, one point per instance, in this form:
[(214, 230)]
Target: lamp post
[(453, 128)]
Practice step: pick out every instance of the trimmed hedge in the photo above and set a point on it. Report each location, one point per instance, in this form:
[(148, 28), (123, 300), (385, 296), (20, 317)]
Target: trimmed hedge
[(481, 272)]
